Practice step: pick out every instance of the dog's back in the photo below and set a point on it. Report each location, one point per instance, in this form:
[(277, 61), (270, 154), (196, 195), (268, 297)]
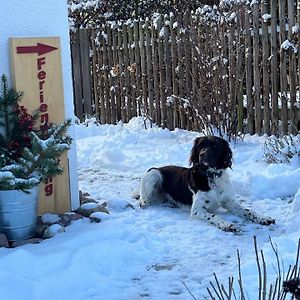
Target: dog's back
[(176, 184), (166, 184)]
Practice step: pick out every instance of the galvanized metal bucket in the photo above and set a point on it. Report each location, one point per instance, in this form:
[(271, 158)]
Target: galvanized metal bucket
[(18, 213)]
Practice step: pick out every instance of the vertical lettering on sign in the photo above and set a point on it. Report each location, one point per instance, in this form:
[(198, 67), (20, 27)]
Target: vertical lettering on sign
[(44, 117)]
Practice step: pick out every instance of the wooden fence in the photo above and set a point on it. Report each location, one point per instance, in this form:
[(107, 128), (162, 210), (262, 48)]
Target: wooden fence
[(237, 69)]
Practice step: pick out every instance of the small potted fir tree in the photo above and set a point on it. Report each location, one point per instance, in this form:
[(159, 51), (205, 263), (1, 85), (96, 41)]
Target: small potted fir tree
[(28, 156)]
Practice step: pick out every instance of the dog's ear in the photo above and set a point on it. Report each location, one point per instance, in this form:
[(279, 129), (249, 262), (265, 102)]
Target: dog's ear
[(194, 156)]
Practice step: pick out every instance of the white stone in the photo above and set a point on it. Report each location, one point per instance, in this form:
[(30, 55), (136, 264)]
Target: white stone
[(89, 205), (49, 218), (53, 230)]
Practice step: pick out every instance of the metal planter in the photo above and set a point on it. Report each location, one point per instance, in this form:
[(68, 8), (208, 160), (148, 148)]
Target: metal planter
[(18, 213)]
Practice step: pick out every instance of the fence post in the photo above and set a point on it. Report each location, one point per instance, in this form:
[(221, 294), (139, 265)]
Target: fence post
[(239, 70), (132, 70), (126, 74), (292, 67), (283, 67), (149, 62), (174, 30), (162, 72), (249, 73), (76, 70), (274, 65), (137, 58), (111, 80), (156, 70), (106, 78), (256, 68), (95, 74), (265, 68), (167, 50), (86, 75)]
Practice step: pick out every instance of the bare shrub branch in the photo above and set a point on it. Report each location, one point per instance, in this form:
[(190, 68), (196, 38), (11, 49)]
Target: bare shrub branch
[(277, 290)]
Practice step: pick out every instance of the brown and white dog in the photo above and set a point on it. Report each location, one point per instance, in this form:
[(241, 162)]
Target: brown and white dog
[(205, 186)]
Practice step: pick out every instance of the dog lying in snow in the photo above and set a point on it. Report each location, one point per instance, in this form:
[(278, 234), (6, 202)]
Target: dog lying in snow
[(204, 186)]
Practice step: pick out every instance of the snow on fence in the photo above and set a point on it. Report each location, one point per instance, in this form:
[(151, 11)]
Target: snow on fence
[(236, 69)]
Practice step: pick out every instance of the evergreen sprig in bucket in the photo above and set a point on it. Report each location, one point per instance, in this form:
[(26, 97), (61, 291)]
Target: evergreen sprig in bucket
[(28, 155)]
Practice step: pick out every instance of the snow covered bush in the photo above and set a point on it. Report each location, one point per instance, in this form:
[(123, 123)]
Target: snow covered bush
[(27, 155), (92, 13), (281, 149)]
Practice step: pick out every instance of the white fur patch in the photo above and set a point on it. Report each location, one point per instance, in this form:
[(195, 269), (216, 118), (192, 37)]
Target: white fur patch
[(222, 195), (151, 188)]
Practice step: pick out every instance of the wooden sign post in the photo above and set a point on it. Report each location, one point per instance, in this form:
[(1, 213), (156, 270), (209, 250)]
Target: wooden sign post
[(37, 72)]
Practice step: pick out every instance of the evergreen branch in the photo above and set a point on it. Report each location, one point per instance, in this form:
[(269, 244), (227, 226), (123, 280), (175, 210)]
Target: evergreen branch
[(27, 155)]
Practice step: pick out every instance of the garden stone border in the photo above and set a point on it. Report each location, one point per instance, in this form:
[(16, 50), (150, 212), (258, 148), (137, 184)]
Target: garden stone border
[(50, 224)]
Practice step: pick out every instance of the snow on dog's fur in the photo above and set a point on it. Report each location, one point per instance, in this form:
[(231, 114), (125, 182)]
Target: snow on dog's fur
[(205, 186)]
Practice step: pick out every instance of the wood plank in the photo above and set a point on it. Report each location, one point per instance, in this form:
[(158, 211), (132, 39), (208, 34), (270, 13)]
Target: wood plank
[(115, 73), (265, 70), (180, 67), (111, 81), (132, 110), (232, 76), (154, 36), (168, 87), (239, 70), (126, 74), (144, 93), (86, 74), (101, 82), (106, 77), (162, 84), (274, 72), (187, 66), (256, 69), (292, 68), (77, 80), (174, 32), (121, 102), (283, 66), (95, 74), (149, 69), (137, 56), (249, 74), (224, 76)]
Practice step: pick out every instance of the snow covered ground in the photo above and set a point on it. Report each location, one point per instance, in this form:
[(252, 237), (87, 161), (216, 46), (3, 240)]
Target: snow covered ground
[(158, 252)]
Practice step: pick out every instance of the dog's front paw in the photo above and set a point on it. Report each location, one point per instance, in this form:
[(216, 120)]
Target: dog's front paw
[(266, 221), (230, 228)]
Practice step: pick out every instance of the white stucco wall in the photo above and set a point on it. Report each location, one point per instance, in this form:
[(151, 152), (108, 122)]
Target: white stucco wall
[(34, 18)]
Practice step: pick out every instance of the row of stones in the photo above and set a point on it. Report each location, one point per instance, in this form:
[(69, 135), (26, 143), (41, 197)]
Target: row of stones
[(48, 225)]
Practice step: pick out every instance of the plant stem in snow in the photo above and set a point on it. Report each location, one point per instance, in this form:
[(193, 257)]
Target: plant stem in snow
[(188, 290)]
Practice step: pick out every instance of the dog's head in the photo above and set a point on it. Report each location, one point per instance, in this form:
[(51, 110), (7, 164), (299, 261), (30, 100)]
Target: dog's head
[(211, 152)]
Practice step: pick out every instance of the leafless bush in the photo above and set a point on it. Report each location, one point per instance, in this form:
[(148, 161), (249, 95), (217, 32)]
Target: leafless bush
[(277, 290), (281, 149), (216, 88)]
